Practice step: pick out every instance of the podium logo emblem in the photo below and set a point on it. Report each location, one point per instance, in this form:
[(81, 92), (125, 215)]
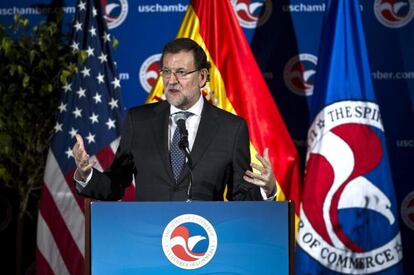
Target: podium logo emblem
[(189, 241)]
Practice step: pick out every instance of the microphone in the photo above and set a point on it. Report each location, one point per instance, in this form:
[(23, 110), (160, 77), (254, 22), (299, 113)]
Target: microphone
[(180, 119)]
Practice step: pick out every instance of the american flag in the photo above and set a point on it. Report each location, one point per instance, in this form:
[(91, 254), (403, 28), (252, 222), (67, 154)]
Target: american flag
[(90, 106)]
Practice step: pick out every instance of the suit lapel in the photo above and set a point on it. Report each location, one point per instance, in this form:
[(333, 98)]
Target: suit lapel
[(160, 133), (206, 132)]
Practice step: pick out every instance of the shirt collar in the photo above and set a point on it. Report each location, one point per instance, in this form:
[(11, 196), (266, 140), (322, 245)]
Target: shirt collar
[(195, 109)]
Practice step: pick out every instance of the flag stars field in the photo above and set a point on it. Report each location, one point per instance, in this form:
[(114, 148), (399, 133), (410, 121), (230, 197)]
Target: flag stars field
[(116, 83), (82, 6), (58, 127), (90, 138), (69, 153), (78, 26), (92, 31), (62, 107), (75, 46), (90, 51), (77, 112), (113, 103), (73, 132), (67, 87), (94, 118), (110, 123), (106, 37), (81, 92), (100, 78), (97, 98), (103, 57), (86, 72)]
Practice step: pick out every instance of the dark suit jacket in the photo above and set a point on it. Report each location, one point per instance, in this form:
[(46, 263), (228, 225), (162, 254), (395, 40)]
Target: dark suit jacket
[(220, 156)]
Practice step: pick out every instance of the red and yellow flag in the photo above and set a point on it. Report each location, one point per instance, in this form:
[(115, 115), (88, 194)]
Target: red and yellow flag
[(237, 85)]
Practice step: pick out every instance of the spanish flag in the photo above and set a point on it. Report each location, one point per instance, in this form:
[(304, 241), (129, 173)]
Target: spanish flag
[(237, 86)]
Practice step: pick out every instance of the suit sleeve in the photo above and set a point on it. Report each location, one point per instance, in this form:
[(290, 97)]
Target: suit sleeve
[(110, 185), (239, 189)]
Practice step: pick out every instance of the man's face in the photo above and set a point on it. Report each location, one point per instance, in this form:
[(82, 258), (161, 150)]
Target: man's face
[(182, 92)]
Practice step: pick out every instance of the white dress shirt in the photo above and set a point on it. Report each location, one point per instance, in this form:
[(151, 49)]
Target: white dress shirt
[(191, 123)]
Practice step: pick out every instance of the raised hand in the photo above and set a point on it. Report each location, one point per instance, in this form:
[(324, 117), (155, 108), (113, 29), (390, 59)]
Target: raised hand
[(81, 159), (265, 177)]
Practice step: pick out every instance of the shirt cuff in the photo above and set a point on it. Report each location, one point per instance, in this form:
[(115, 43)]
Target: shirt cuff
[(80, 184), (265, 197)]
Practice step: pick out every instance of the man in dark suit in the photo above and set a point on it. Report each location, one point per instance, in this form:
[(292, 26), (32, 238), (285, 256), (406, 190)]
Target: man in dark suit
[(154, 141)]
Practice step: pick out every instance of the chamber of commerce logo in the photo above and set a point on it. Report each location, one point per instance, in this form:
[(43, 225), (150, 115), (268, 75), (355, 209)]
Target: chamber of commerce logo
[(394, 13), (189, 241), (348, 202), (299, 73), (115, 12), (149, 72), (407, 210), (252, 14)]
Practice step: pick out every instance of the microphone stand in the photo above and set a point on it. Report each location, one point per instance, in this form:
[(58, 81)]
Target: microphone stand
[(190, 177), (183, 144)]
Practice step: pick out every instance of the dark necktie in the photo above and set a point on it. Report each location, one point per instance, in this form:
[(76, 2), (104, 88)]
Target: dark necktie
[(177, 154)]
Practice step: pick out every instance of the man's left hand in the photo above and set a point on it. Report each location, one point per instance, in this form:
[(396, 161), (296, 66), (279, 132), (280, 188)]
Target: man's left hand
[(265, 177)]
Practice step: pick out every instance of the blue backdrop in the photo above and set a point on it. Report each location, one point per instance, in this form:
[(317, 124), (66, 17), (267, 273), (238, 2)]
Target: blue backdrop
[(284, 37)]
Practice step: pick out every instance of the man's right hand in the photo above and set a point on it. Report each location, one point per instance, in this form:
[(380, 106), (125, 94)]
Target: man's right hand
[(81, 159)]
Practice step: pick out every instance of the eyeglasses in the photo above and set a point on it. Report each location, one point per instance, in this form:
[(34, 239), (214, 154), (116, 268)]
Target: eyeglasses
[(179, 74)]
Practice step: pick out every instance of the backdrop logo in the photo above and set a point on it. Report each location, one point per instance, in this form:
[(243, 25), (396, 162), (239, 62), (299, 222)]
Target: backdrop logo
[(299, 72), (149, 72), (394, 14), (407, 210), (189, 241), (252, 14), (341, 216), (115, 12)]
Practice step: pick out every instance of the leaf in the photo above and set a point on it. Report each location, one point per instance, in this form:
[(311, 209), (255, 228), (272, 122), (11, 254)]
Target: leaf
[(26, 81), (83, 55), (115, 43), (25, 22), (16, 17), (32, 56), (49, 88), (6, 45), (64, 77), (5, 143), (5, 175), (12, 69)]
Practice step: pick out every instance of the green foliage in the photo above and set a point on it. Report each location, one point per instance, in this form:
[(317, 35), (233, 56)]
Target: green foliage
[(34, 65)]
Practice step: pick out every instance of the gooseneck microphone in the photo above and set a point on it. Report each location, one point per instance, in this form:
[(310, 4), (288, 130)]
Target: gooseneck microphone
[(180, 119)]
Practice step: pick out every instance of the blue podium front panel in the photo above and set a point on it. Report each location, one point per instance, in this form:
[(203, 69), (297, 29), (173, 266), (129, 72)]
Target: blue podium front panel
[(189, 238)]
